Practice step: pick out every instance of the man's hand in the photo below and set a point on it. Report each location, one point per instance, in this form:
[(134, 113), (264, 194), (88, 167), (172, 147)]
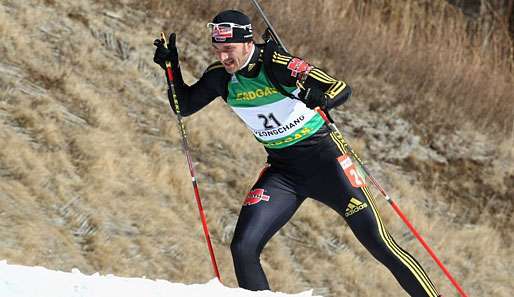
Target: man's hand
[(163, 54), (313, 97)]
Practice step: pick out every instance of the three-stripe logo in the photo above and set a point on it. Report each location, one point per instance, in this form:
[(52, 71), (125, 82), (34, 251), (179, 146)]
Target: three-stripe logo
[(354, 206)]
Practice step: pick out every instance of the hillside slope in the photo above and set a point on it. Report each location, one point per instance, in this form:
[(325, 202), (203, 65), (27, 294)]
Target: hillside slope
[(92, 174)]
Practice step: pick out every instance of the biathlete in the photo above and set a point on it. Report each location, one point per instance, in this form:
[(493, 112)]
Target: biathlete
[(305, 159)]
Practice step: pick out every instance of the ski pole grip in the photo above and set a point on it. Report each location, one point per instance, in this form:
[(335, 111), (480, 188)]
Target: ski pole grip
[(168, 64), (322, 114)]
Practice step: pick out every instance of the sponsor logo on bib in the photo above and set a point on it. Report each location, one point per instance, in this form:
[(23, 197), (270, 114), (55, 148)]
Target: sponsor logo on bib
[(258, 93)]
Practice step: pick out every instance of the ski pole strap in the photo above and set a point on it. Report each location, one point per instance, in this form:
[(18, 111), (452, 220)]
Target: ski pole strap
[(169, 78), (168, 64)]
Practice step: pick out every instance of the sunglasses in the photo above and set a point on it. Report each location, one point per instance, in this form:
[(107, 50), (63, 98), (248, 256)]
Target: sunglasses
[(228, 25), (222, 31)]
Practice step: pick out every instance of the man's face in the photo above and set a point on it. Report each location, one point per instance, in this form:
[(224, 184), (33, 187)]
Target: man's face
[(232, 55)]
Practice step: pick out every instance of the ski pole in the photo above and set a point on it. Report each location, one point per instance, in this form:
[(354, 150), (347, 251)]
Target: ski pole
[(185, 146), (395, 206)]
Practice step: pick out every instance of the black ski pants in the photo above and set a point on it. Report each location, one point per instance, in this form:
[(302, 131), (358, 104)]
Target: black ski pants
[(322, 172)]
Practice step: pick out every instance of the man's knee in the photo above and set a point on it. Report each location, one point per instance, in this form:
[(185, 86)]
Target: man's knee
[(243, 249)]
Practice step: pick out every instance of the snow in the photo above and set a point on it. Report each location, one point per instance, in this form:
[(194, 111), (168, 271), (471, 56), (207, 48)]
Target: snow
[(24, 281)]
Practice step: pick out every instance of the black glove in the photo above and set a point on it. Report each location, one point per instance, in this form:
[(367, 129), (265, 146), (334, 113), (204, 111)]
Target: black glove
[(163, 54), (313, 97)]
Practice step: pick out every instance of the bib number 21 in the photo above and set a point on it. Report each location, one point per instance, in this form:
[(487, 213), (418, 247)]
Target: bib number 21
[(269, 121)]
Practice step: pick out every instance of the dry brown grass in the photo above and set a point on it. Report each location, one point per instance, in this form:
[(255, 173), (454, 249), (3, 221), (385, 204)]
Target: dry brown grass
[(446, 69), (91, 173)]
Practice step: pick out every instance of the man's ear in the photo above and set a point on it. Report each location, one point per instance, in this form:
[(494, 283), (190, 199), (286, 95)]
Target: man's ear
[(248, 46)]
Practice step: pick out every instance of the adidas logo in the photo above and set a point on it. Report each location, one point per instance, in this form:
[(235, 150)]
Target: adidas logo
[(354, 206)]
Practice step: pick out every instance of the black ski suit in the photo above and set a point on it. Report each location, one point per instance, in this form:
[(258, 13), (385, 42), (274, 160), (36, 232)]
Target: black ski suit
[(317, 167)]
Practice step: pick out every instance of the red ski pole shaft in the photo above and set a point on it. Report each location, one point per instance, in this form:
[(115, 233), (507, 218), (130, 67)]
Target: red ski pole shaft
[(174, 102), (425, 245), (334, 128)]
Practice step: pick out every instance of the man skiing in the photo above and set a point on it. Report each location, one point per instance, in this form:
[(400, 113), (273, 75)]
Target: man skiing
[(275, 93)]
